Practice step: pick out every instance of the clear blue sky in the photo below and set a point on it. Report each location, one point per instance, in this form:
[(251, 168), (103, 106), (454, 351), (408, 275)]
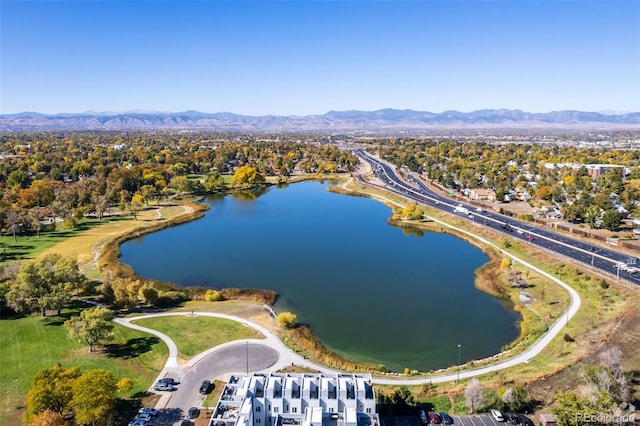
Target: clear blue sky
[(309, 57)]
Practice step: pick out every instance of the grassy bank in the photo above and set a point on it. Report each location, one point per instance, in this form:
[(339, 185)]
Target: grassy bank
[(194, 334), (31, 343), (597, 322)]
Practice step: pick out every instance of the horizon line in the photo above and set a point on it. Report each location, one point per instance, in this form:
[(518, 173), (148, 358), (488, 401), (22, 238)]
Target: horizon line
[(136, 111)]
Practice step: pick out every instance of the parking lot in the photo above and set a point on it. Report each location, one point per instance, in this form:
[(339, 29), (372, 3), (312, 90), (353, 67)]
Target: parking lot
[(474, 420)]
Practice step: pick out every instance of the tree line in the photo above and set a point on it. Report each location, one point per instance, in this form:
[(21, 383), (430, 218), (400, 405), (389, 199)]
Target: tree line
[(505, 168), (69, 176)]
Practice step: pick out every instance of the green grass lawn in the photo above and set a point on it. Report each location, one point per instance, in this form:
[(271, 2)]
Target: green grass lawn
[(31, 343), (195, 334)]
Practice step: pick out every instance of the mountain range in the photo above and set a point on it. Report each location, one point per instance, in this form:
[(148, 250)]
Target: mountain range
[(381, 120)]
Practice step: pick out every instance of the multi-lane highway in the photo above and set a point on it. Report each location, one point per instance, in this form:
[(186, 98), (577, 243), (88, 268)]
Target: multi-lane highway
[(601, 258)]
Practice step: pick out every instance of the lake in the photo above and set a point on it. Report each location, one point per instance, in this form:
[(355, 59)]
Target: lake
[(370, 291)]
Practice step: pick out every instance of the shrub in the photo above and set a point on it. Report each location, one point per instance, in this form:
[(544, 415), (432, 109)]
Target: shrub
[(604, 284), (505, 264), (213, 296), (171, 298), (286, 319)]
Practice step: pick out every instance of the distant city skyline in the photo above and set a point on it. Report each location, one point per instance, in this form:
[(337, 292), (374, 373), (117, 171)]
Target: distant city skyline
[(310, 57)]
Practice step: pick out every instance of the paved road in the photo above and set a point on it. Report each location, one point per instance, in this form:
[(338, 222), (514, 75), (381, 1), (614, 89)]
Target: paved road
[(240, 357), (600, 258)]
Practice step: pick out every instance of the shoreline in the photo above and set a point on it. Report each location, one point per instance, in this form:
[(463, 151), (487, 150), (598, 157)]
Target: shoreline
[(306, 340)]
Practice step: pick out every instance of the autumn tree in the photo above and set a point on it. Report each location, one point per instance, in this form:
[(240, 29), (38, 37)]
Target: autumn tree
[(246, 176), (136, 205), (93, 325), (286, 319), (51, 389), (47, 418), (93, 399), (412, 212), (125, 291), (214, 181)]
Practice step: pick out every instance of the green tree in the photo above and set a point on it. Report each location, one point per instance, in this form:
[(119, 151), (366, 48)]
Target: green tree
[(148, 192), (93, 399), (93, 325), (149, 294), (18, 178), (571, 408), (181, 184), (286, 319), (611, 219), (214, 181), (48, 282)]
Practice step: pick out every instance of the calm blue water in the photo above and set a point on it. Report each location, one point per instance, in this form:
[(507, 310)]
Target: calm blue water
[(369, 290)]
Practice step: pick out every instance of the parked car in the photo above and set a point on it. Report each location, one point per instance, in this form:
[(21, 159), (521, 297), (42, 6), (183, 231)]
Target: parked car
[(497, 415), (423, 417), (163, 387), (193, 413), (525, 421), (434, 418), (148, 410), (446, 419), (186, 422), (169, 381), (144, 417), (204, 387), (137, 422), (512, 418)]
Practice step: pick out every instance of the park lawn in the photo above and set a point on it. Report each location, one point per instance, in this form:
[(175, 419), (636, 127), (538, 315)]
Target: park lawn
[(28, 247), (249, 309), (31, 343), (84, 243), (194, 334)]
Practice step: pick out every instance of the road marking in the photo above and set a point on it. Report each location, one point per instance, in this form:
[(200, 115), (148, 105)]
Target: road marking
[(459, 420)]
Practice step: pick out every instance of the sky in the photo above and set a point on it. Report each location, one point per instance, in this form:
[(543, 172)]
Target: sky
[(310, 57)]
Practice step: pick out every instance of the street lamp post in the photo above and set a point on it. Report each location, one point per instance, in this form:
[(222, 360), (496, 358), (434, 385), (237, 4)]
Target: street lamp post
[(459, 355), (247, 353)]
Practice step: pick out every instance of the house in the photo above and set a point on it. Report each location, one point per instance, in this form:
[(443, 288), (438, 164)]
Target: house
[(272, 399), (481, 194)]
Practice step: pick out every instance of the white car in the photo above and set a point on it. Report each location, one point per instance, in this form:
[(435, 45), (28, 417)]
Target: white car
[(497, 415)]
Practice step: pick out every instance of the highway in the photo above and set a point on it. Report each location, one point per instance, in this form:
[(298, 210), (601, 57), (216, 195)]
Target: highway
[(600, 258)]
